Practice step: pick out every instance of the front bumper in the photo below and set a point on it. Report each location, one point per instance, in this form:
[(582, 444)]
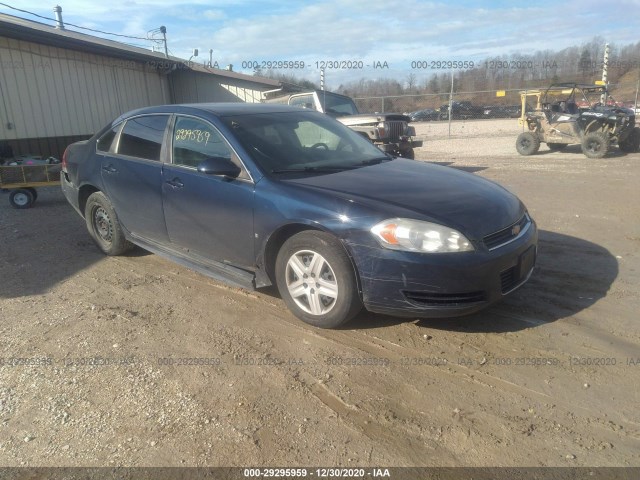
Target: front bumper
[(404, 145), (409, 284)]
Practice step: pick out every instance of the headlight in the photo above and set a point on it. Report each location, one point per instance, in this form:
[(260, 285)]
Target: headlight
[(418, 236)]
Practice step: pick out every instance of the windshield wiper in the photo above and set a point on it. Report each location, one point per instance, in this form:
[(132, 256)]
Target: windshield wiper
[(313, 169), (375, 161)]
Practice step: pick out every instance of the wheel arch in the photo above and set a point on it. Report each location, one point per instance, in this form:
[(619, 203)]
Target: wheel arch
[(282, 234), (597, 125), (84, 193)]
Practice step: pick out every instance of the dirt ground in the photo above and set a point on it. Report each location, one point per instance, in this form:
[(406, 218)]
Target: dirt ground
[(136, 361)]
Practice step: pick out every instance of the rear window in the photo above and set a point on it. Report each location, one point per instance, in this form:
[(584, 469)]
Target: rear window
[(142, 137)]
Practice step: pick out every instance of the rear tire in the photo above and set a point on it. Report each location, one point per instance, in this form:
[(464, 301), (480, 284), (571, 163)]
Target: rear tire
[(527, 143), (21, 198), (316, 279), (595, 145), (631, 144), (104, 226), (556, 147)]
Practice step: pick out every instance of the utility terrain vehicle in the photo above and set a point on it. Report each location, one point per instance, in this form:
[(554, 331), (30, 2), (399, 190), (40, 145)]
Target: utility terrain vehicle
[(572, 113)]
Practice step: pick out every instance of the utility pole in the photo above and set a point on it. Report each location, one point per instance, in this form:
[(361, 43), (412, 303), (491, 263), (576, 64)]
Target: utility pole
[(322, 79), (451, 103), (605, 71), (163, 30)]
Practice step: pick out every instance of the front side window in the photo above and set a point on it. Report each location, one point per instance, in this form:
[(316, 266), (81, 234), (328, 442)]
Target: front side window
[(337, 104), (195, 140), (142, 137)]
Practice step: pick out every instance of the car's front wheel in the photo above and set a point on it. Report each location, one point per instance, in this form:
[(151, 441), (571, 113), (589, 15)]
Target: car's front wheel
[(316, 279), (103, 225), (527, 143)]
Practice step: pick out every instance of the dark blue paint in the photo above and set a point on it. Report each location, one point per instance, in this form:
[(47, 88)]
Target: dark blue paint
[(232, 220)]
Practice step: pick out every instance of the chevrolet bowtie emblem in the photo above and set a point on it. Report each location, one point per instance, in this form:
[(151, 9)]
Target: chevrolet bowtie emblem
[(515, 230)]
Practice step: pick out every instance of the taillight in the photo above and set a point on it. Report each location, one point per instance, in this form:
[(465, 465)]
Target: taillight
[(64, 159)]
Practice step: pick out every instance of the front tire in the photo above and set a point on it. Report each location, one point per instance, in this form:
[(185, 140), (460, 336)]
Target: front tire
[(103, 225), (409, 153), (316, 279), (595, 145), (527, 143)]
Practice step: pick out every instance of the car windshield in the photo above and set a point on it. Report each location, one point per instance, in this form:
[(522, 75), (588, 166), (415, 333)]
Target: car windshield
[(337, 104), (307, 142)]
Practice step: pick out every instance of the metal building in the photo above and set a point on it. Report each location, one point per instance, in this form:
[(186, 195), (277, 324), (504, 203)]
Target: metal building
[(58, 86)]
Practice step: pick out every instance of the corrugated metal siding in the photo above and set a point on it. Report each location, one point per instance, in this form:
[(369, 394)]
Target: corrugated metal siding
[(193, 87), (53, 92)]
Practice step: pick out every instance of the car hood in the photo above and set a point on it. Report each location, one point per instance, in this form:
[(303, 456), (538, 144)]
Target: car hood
[(444, 195)]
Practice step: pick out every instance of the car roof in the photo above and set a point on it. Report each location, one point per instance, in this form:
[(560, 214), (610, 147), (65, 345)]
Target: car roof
[(218, 109)]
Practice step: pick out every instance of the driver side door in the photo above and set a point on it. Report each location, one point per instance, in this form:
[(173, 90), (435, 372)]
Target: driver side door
[(207, 215)]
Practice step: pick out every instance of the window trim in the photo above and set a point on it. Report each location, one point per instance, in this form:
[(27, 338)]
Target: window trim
[(114, 140), (170, 136), (163, 148)]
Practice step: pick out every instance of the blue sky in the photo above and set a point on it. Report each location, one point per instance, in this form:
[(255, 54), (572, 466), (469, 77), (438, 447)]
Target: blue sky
[(362, 30)]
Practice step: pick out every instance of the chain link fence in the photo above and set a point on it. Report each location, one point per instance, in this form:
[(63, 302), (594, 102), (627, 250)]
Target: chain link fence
[(475, 105)]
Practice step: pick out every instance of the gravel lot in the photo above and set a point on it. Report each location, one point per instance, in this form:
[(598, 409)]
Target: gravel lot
[(550, 377)]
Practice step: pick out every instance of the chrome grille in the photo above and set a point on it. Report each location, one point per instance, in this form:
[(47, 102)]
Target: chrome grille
[(508, 234)]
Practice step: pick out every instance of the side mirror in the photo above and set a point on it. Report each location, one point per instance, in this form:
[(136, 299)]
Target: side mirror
[(219, 166)]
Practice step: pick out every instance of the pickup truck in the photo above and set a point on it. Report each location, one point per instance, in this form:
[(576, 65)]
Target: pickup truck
[(388, 131)]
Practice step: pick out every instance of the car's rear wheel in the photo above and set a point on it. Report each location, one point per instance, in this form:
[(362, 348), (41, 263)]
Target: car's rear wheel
[(632, 142), (316, 279), (527, 143), (595, 144), (21, 198), (556, 147), (103, 225)]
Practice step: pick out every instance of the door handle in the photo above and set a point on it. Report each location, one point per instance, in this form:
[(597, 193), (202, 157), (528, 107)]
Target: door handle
[(109, 169), (175, 183)]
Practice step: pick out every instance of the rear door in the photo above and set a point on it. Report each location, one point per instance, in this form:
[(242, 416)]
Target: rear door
[(209, 215), (132, 176)]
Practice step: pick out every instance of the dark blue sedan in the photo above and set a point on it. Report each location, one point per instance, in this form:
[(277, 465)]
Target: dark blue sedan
[(256, 195)]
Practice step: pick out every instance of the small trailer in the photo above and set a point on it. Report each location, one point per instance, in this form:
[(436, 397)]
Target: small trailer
[(22, 180)]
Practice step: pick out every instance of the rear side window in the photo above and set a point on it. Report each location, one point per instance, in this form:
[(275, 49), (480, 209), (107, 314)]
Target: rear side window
[(104, 142), (142, 137)]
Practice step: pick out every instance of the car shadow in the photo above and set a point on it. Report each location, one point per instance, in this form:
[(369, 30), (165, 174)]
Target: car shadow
[(571, 275), (43, 246)]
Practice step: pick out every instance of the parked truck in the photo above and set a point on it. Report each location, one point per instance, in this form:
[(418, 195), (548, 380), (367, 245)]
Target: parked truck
[(389, 131)]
